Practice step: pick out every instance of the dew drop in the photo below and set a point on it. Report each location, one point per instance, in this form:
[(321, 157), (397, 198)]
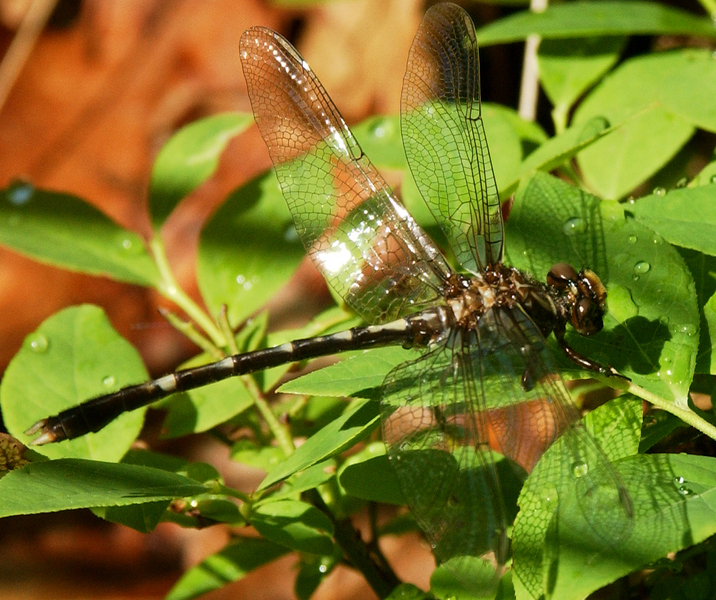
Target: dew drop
[(109, 381), (549, 497), (39, 343), (240, 279), (682, 183), (580, 469), (381, 128), (290, 235), (684, 491), (641, 267), (322, 568), (713, 179), (633, 239), (659, 191), (20, 193), (574, 226)]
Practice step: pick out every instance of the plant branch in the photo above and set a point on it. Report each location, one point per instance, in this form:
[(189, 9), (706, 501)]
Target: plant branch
[(687, 416), (169, 288), (381, 578)]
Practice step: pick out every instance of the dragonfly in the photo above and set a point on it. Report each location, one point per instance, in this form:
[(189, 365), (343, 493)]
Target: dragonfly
[(482, 369)]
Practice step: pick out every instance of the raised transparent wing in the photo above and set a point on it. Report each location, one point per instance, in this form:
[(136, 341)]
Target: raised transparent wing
[(444, 136), (450, 415), (362, 239)]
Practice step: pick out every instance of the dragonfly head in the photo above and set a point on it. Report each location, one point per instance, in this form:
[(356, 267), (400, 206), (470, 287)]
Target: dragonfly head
[(585, 295)]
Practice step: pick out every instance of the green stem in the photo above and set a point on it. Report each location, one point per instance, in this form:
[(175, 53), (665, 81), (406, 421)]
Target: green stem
[(187, 329), (280, 432), (685, 415), (169, 288)]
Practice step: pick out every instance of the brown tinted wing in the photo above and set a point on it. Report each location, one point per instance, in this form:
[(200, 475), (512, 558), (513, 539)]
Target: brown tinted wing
[(444, 136), (367, 246)]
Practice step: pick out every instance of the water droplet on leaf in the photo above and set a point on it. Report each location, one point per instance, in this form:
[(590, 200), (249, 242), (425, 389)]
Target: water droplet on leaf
[(574, 226), (659, 191), (39, 343), (642, 267), (580, 469), (20, 193)]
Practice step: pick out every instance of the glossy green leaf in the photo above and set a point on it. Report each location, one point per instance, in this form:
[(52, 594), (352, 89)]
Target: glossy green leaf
[(584, 19), (188, 159), (620, 162), (369, 475), (679, 84), (561, 148), (685, 217), (296, 525), (232, 563), (306, 480), (357, 422), (652, 318), (358, 375), (73, 356), (703, 269), (380, 139), (407, 591), (65, 484), (568, 67), (674, 504), (65, 231), (248, 250)]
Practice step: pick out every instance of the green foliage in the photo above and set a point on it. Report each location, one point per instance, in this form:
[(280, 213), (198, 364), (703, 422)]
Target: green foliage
[(621, 128)]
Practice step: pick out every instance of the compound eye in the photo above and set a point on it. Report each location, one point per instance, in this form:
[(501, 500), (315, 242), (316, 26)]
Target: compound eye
[(561, 274), (586, 317)]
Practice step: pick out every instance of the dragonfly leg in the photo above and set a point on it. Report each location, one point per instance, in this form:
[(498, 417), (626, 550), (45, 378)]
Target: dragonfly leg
[(583, 361)]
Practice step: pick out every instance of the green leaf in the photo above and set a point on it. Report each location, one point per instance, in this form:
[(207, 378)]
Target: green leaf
[(67, 483), (188, 159), (369, 475), (358, 375), (306, 480), (652, 317), (250, 453), (407, 591), (706, 176), (296, 525), (674, 503), (561, 148), (232, 563), (568, 67), (703, 269), (585, 19), (312, 571), (206, 407), (614, 166), (329, 321), (685, 217), (73, 356), (379, 137), (357, 422), (141, 517), (680, 84), (65, 231), (248, 250)]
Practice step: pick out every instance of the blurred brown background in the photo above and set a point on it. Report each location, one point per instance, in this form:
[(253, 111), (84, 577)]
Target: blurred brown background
[(104, 85)]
